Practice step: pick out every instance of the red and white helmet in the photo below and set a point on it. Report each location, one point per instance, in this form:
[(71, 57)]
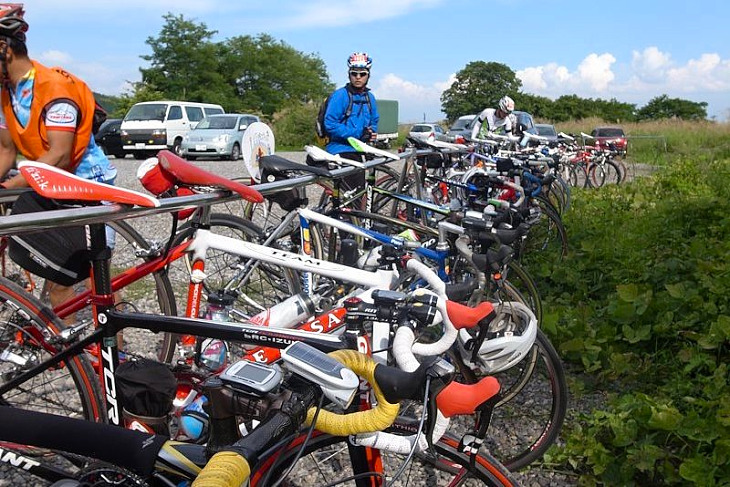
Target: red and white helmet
[(359, 60), (12, 23), (506, 104)]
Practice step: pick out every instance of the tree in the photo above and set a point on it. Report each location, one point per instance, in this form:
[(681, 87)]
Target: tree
[(478, 86), (184, 64), (539, 106), (139, 93), (269, 75), (665, 107)]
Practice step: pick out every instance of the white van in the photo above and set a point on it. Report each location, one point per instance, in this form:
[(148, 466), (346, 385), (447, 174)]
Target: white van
[(151, 126)]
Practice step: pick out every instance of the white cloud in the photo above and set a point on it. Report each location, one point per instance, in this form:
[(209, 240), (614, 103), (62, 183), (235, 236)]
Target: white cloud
[(651, 72), (708, 73), (592, 76), (596, 71), (415, 101), (105, 78), (651, 64), (55, 58)]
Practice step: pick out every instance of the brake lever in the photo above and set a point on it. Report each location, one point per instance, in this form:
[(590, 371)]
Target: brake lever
[(440, 374)]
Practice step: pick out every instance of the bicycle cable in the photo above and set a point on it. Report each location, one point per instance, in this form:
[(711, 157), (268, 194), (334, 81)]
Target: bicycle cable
[(418, 432), (301, 449)]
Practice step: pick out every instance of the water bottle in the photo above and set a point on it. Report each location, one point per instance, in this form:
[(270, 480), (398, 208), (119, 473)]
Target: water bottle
[(194, 420), (213, 352), (288, 313)]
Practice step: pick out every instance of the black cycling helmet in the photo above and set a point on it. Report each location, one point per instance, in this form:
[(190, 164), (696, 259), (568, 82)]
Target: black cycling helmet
[(12, 23)]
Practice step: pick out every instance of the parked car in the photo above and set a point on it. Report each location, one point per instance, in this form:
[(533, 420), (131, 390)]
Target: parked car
[(423, 131), (548, 131), (522, 122), (151, 126), (610, 137), (462, 127), (217, 136), (109, 138)]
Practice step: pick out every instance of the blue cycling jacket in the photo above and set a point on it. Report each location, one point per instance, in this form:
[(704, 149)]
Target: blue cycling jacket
[(361, 116)]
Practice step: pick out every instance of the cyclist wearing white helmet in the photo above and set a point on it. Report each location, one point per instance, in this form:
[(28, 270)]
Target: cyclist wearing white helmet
[(352, 112), (496, 119)]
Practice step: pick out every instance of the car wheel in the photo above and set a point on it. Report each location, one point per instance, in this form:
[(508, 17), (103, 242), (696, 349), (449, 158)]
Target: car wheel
[(177, 147), (235, 152), (120, 155)]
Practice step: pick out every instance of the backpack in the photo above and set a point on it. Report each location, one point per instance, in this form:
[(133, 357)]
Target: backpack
[(321, 132), (99, 117)]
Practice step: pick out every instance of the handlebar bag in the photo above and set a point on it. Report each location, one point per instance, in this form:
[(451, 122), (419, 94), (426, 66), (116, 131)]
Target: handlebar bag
[(60, 255)]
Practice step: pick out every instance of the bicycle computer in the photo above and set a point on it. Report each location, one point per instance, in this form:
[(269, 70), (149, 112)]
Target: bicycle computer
[(251, 377), (338, 382)]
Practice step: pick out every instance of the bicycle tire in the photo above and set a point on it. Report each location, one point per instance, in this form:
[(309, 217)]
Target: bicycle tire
[(597, 175), (535, 391), (546, 241), (27, 329), (613, 172), (132, 250), (332, 453)]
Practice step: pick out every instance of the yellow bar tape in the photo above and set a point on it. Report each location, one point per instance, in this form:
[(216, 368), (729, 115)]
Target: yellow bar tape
[(377, 419)]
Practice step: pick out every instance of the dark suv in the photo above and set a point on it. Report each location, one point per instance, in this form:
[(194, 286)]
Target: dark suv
[(109, 138), (610, 138)]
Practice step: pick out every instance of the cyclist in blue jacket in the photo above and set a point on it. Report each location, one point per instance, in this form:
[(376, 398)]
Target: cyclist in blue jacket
[(352, 112)]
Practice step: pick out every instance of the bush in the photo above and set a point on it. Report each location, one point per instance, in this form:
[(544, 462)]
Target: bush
[(641, 304), (293, 127)]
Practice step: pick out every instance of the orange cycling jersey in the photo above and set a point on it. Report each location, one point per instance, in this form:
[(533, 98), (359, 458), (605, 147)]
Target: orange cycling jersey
[(52, 84)]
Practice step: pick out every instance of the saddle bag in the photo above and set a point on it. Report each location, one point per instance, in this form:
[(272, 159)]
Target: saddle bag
[(288, 199), (60, 255)]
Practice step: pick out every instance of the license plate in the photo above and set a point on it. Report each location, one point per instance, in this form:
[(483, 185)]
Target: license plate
[(200, 147), (139, 145)]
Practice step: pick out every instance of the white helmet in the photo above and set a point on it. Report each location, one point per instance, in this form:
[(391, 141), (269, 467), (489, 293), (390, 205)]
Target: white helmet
[(506, 104), (510, 337)]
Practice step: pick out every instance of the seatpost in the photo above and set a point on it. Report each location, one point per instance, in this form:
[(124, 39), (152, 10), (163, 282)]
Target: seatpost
[(102, 301)]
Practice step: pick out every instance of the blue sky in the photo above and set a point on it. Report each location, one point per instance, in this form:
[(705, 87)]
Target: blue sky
[(628, 50)]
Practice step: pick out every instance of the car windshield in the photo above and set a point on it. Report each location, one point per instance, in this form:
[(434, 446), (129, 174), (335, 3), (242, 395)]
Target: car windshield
[(421, 128), (153, 111), (461, 123), (545, 130), (610, 132), (217, 123)]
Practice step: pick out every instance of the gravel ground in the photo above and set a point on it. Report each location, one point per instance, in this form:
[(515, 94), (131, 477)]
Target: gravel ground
[(158, 226)]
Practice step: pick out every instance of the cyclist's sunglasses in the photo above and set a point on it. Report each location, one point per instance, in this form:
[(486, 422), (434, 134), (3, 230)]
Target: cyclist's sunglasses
[(359, 74)]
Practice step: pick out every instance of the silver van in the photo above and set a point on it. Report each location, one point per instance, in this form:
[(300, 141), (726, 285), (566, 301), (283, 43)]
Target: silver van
[(151, 126)]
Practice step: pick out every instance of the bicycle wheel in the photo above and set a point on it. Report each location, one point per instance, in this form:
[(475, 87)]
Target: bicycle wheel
[(596, 174), (613, 172), (29, 334), (528, 419), (329, 460), (150, 294), (546, 241)]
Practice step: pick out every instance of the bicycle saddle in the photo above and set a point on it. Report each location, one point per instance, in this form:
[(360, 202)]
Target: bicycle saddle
[(274, 164), (186, 173)]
